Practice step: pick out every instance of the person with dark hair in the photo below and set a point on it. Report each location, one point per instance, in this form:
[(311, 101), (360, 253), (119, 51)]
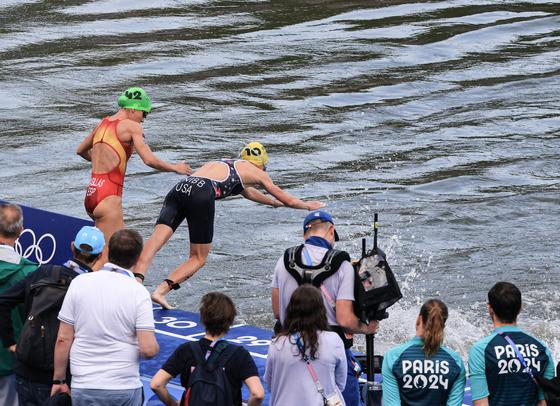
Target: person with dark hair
[(306, 363), (217, 313), (33, 381), (317, 262), (422, 371), (503, 366), (109, 147), (106, 323), (13, 268), (194, 199), (125, 249)]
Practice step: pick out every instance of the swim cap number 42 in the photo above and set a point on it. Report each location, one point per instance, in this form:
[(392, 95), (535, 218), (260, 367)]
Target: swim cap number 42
[(135, 98)]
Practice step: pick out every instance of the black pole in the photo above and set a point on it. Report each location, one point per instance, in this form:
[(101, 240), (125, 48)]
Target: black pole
[(363, 247), (373, 390), (370, 372), (375, 225), (369, 337)]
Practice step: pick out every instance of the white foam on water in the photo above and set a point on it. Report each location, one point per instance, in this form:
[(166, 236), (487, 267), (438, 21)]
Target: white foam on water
[(466, 324)]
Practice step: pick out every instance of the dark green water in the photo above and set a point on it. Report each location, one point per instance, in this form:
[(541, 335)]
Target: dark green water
[(441, 116)]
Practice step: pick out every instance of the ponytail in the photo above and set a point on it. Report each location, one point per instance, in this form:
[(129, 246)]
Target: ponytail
[(434, 315)]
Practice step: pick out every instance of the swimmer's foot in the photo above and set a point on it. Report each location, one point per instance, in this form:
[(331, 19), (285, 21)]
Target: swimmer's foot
[(160, 300), (159, 297)]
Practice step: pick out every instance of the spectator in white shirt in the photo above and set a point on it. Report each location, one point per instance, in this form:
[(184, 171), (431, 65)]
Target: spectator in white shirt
[(106, 322)]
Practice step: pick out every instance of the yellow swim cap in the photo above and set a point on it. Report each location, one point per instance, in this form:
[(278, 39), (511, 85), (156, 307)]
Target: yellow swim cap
[(255, 153)]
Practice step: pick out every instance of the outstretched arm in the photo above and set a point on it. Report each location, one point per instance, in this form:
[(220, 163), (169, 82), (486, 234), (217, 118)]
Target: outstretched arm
[(152, 160), (286, 198), (257, 196)]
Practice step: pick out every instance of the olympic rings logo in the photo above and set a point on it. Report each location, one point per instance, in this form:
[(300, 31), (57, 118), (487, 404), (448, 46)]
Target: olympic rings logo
[(35, 247)]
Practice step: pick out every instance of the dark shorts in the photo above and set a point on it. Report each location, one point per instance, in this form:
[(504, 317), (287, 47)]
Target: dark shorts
[(191, 199)]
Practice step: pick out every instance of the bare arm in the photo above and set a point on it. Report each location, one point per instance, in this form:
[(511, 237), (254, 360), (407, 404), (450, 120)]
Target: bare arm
[(256, 391), (151, 159), (484, 402), (286, 198), (147, 343), (275, 303), (346, 319), (159, 386), (257, 196), (84, 149), (62, 347)]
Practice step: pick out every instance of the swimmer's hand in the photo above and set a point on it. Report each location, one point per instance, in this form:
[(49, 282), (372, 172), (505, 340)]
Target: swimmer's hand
[(182, 168), (277, 203), (314, 205)]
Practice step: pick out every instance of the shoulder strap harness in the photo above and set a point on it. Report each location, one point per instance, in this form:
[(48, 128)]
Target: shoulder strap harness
[(314, 274)]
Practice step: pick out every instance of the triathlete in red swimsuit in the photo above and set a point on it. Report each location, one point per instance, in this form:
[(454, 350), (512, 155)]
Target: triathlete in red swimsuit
[(110, 183), (109, 148)]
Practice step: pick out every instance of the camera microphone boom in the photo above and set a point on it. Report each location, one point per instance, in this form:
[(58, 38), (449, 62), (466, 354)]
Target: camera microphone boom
[(376, 289)]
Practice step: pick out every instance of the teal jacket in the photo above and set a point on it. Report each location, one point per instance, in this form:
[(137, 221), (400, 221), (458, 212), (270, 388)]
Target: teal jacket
[(13, 268), (496, 372), (413, 379)]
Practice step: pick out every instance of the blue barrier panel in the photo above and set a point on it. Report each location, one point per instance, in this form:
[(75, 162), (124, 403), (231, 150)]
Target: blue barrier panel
[(47, 236)]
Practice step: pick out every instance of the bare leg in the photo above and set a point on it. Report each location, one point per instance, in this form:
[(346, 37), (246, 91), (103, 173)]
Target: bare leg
[(108, 217), (162, 233), (197, 259)]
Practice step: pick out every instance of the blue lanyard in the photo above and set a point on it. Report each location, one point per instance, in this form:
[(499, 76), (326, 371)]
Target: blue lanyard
[(307, 256), (117, 270), (75, 267), (297, 339), (520, 357)]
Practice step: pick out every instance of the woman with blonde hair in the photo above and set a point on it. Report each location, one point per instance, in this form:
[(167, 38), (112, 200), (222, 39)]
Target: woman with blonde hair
[(423, 371)]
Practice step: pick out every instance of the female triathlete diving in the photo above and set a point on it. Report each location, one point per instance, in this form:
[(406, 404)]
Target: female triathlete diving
[(193, 199)]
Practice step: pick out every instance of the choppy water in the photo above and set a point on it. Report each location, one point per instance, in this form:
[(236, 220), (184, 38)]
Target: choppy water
[(442, 116)]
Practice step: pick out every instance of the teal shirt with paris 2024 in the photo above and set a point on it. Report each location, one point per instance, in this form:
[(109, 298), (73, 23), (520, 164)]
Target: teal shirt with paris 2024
[(496, 372), (413, 379)]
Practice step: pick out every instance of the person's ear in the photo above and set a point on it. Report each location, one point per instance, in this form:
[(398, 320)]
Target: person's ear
[(490, 311)]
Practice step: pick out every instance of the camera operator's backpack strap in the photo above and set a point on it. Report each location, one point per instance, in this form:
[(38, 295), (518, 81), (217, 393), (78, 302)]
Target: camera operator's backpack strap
[(313, 274)]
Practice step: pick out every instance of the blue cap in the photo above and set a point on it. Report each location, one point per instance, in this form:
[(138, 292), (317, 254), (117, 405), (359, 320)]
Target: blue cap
[(319, 215), (91, 236)]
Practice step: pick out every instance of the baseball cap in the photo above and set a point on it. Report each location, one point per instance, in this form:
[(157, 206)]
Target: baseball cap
[(91, 236), (319, 215)]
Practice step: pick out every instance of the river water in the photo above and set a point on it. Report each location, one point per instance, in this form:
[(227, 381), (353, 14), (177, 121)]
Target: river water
[(441, 116)]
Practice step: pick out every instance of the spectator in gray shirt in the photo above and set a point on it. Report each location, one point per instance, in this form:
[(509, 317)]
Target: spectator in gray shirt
[(306, 364)]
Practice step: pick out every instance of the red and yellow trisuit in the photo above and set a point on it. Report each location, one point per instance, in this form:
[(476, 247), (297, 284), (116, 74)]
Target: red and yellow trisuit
[(110, 183)]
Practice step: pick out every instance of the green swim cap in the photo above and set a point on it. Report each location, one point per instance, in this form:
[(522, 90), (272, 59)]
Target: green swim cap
[(135, 98)]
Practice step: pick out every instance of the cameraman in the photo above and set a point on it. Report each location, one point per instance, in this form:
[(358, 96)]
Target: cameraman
[(337, 288)]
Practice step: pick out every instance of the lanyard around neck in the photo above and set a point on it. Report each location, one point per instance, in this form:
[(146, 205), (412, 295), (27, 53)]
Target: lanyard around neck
[(114, 268), (75, 267)]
